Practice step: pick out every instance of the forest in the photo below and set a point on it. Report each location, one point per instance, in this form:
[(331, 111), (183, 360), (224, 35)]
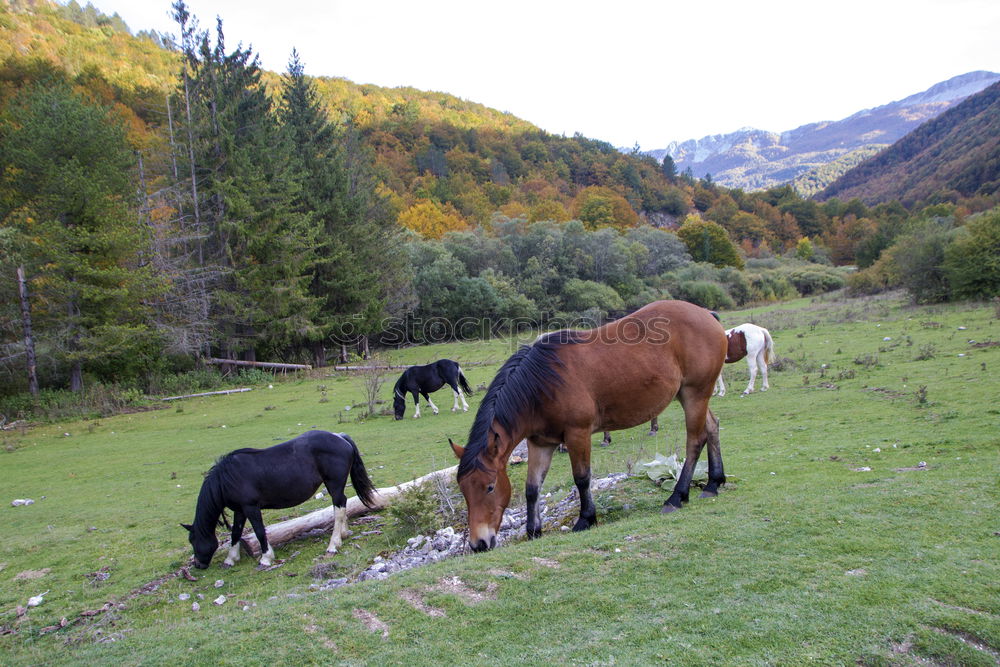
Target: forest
[(196, 205)]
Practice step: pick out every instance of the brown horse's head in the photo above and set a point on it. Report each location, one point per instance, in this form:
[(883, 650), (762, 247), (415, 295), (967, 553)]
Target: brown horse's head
[(486, 488)]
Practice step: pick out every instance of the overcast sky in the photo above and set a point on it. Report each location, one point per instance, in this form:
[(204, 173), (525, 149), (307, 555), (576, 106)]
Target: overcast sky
[(623, 71)]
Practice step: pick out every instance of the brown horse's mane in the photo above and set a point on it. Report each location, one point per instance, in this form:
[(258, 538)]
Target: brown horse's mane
[(532, 370)]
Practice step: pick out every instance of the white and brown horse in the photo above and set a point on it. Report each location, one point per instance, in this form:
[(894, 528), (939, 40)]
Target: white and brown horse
[(755, 343), (570, 384)]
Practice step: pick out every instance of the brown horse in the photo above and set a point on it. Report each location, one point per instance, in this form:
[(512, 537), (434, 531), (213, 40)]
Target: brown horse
[(570, 384)]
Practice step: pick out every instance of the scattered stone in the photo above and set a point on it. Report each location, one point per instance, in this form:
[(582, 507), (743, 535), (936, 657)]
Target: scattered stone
[(195, 606), (219, 583), (221, 600), (20, 502), (184, 596), (36, 600)]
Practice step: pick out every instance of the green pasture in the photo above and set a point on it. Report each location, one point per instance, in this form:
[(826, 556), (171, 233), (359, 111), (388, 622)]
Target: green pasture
[(862, 527)]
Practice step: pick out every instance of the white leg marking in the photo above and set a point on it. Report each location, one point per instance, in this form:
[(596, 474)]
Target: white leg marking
[(454, 406), (267, 559), (416, 415), (763, 371), (233, 556), (339, 530), (465, 406), (753, 374), (720, 386), (431, 403)]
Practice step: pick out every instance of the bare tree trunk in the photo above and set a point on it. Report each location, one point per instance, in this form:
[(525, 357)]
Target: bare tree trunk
[(173, 148), (29, 339), (343, 354), (194, 176), (319, 354)]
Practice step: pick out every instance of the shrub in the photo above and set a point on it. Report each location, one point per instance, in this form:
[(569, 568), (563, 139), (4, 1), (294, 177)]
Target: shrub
[(580, 295), (815, 279), (971, 263), (706, 294)]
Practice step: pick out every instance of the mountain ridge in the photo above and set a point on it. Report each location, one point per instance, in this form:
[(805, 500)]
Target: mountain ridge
[(754, 159)]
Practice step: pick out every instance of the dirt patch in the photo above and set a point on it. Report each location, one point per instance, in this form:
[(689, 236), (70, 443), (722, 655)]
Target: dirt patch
[(547, 562), (372, 622), (455, 586), (32, 574), (418, 603), (986, 343)]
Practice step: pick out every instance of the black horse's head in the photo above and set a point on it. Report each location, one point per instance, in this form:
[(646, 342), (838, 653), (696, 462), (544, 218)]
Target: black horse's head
[(398, 404), (204, 546)]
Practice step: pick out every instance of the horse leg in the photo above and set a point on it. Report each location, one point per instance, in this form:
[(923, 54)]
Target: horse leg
[(233, 557), (654, 426), (607, 439), (434, 408), (252, 512), (764, 386), (416, 402), (695, 414), (720, 386), (716, 476), (752, 363), (539, 460), (578, 444), (456, 390), (340, 531)]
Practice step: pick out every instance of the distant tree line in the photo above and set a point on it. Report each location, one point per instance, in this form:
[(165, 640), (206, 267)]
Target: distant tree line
[(242, 216)]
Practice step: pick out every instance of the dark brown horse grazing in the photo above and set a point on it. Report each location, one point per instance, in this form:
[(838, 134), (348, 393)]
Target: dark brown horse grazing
[(570, 384)]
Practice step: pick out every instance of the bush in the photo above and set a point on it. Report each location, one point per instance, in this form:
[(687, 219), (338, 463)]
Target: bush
[(815, 279), (706, 294), (918, 258), (580, 295), (971, 262)]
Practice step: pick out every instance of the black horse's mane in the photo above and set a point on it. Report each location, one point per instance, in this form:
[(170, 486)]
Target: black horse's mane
[(532, 370), (211, 508)]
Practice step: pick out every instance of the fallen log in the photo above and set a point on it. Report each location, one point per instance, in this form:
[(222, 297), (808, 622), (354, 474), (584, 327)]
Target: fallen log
[(209, 393), (396, 367), (259, 364), (286, 531)]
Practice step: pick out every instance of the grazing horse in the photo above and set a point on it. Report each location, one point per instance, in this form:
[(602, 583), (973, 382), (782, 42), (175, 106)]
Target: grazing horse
[(736, 349), (570, 384), (423, 380), (285, 475), (757, 347)]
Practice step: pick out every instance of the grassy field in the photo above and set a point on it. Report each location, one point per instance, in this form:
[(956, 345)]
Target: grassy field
[(863, 528)]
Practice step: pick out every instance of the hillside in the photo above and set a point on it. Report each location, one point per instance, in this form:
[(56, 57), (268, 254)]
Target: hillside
[(954, 155), (755, 159)]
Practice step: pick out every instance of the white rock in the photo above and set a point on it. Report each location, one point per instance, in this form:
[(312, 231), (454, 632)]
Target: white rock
[(195, 606), (219, 600), (184, 596), (219, 583), (36, 600)]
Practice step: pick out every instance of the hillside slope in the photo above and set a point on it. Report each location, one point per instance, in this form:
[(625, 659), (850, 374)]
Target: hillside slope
[(957, 153), (754, 159)]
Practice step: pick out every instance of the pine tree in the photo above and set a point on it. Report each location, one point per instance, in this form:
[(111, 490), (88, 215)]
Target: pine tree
[(68, 194), (359, 261), (257, 239)]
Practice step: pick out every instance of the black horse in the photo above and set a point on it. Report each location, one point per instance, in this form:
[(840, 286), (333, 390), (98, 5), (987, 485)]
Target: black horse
[(285, 475), (422, 380)]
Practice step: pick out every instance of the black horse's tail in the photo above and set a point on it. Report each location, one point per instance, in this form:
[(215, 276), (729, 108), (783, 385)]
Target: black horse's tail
[(465, 383), (359, 476)]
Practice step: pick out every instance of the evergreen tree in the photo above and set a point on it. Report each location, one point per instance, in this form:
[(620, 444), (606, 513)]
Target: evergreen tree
[(245, 197), (66, 196), (359, 262)]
